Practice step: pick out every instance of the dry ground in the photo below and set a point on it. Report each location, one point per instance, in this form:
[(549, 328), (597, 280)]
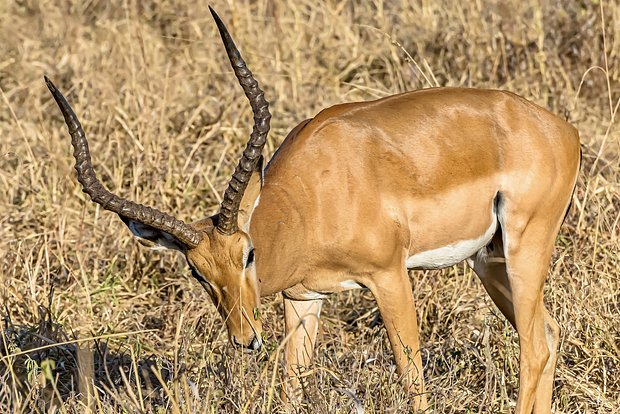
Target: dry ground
[(149, 80)]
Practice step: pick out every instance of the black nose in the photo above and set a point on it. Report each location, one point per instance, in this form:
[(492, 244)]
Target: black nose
[(255, 344)]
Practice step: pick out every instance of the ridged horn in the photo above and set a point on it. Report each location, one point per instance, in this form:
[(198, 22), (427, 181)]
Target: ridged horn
[(126, 209), (229, 209)]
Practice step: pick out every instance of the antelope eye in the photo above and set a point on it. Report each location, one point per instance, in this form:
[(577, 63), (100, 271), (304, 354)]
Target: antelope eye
[(250, 258)]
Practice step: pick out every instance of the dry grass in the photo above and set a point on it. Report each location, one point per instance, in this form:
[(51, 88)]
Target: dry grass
[(149, 79)]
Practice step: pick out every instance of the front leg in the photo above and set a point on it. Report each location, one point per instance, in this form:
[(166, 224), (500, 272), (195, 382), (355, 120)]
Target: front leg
[(394, 298), (302, 324)]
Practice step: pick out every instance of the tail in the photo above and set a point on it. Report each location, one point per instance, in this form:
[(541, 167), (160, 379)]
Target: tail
[(570, 203)]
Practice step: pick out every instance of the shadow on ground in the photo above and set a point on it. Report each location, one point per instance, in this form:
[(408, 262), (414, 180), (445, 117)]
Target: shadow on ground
[(43, 364)]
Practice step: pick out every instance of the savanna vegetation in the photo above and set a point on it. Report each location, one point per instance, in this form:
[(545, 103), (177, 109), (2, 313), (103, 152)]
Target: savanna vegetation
[(123, 328)]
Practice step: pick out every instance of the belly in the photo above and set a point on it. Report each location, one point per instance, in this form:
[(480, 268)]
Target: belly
[(453, 253), (451, 232)]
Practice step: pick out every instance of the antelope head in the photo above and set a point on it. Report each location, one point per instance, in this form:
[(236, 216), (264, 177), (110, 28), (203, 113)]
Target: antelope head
[(218, 248)]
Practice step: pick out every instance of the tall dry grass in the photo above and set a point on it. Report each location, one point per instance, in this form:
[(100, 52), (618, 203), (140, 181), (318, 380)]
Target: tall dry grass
[(166, 121)]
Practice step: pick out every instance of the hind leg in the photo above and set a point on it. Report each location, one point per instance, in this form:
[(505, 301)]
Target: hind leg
[(490, 266), (542, 403), (515, 281)]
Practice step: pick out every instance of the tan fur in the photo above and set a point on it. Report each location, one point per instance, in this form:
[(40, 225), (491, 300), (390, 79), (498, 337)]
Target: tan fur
[(219, 259), (361, 187), (353, 193)]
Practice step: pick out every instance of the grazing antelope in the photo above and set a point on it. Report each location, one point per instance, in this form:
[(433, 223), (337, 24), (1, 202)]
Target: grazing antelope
[(362, 192)]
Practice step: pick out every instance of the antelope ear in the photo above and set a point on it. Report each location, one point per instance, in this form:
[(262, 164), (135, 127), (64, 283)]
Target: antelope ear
[(159, 237), (250, 197)]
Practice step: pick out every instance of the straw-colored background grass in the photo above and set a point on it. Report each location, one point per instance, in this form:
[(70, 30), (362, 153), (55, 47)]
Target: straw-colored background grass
[(149, 80)]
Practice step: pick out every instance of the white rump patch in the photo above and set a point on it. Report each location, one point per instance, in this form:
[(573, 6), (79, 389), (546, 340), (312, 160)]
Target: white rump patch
[(451, 254)]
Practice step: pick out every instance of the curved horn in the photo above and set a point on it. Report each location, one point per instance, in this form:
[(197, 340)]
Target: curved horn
[(229, 208), (126, 209)]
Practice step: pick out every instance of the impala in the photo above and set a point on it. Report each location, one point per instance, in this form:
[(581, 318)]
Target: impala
[(363, 192)]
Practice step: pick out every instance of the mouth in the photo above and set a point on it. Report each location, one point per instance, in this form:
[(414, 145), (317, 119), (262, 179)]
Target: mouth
[(254, 345)]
